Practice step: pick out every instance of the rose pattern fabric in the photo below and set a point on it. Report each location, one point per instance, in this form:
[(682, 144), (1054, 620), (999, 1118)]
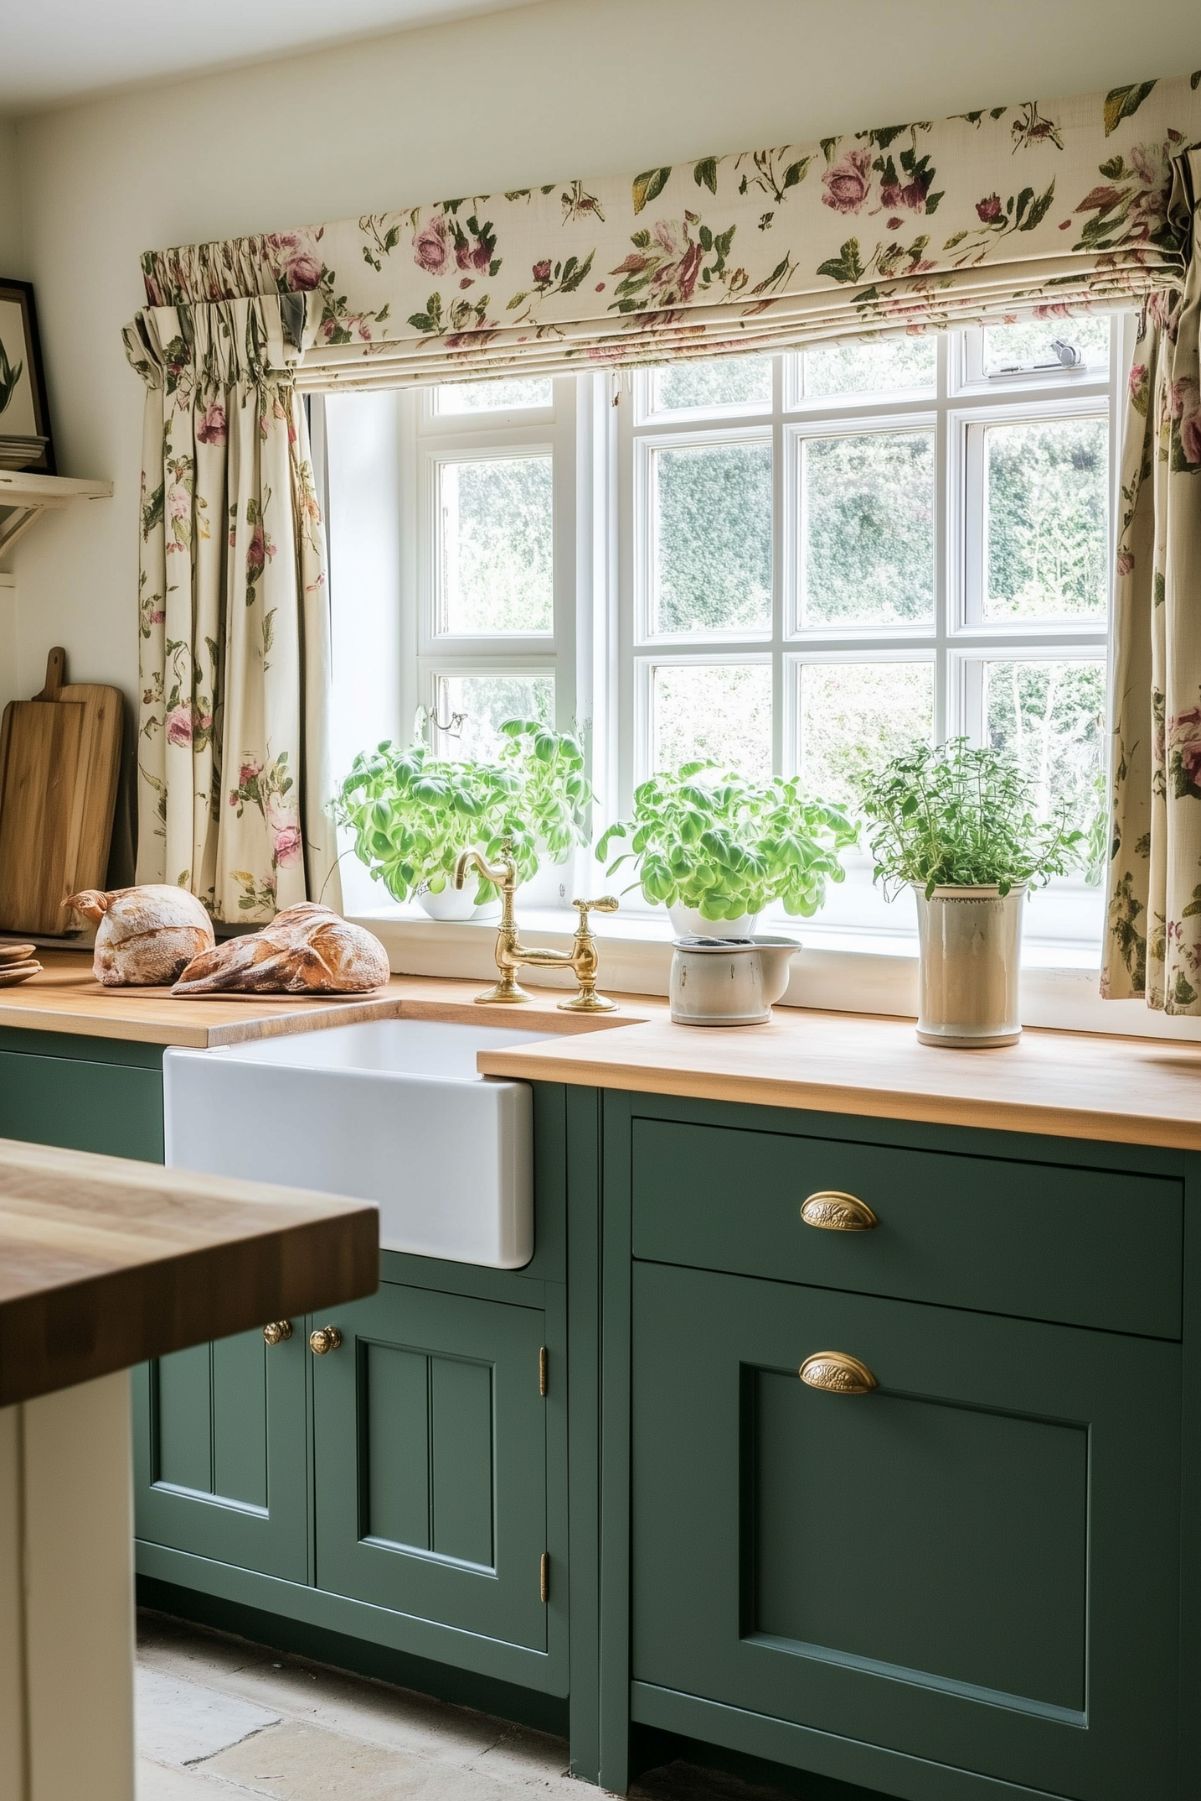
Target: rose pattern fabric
[(1153, 944), (233, 616), (1057, 205)]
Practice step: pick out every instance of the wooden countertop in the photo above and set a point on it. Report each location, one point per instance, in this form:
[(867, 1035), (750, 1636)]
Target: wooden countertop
[(67, 998), (104, 1263), (1062, 1084)]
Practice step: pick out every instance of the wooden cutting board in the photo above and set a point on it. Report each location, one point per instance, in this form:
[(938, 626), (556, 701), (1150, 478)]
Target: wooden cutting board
[(99, 769), (42, 795)]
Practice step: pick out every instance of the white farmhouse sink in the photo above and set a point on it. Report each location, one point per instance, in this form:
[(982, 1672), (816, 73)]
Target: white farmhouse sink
[(392, 1111)]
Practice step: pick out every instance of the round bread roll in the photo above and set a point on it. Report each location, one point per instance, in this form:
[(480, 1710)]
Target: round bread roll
[(146, 935)]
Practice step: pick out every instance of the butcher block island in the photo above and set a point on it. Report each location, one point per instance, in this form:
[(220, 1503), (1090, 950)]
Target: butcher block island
[(104, 1263)]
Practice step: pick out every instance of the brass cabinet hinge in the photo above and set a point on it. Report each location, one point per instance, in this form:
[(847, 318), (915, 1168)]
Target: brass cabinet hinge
[(544, 1577), (543, 1370)]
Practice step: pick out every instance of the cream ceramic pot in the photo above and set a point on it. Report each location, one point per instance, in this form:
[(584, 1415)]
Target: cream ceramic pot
[(728, 981)]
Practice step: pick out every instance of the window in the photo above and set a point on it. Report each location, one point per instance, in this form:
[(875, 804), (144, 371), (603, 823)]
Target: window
[(828, 554), (790, 562)]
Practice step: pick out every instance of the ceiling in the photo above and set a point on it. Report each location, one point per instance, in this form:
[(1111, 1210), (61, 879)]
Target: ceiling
[(64, 49)]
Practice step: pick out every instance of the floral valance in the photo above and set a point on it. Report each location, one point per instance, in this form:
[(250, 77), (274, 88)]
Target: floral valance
[(1059, 205)]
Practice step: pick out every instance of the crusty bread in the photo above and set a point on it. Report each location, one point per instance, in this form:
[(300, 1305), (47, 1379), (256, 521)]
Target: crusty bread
[(307, 949), (144, 936)]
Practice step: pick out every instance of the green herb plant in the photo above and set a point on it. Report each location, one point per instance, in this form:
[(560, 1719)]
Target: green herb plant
[(952, 815), (707, 838), (412, 813)]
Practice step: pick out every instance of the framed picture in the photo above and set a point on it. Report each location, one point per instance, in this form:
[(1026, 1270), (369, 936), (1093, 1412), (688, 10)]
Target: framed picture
[(24, 415)]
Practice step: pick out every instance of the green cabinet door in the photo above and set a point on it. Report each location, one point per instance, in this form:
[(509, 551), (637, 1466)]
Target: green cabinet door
[(430, 1457), (220, 1452), (977, 1563)]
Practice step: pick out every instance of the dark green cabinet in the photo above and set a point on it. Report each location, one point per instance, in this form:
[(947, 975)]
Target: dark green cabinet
[(221, 1452), (976, 1564), (430, 1461)]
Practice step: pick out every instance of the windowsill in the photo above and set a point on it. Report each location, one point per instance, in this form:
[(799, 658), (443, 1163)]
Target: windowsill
[(842, 970)]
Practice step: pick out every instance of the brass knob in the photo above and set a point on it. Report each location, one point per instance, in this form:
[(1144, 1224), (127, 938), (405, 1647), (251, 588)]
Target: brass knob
[(608, 903), (277, 1331), (837, 1373), (324, 1340), (832, 1211)]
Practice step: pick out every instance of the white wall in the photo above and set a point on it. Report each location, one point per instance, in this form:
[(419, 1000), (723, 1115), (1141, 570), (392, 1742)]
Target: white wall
[(567, 87)]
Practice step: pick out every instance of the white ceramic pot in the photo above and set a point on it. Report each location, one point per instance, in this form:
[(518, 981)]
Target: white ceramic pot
[(689, 922), (970, 944), (454, 903), (716, 985)]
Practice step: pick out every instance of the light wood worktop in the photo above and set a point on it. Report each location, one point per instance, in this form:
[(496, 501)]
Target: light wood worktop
[(1062, 1084), (104, 1263), (66, 997)]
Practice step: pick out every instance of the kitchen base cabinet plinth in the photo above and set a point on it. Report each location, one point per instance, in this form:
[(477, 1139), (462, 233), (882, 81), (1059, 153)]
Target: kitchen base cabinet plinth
[(430, 1460), (975, 1563)]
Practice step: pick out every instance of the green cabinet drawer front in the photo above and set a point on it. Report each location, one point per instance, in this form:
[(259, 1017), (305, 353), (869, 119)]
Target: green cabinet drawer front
[(1081, 1246), (220, 1452), (430, 1446), (82, 1106), (975, 1564)]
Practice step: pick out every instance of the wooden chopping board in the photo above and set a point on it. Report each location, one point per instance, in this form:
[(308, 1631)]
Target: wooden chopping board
[(41, 807), (99, 773)]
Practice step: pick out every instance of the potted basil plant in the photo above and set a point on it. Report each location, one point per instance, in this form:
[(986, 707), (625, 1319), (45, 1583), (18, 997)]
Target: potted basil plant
[(958, 825), (716, 847), (412, 814)]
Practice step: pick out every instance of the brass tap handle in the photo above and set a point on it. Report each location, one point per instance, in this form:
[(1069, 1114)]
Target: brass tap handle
[(585, 959), (608, 903), (837, 1373), (324, 1340), (277, 1331), (833, 1211)]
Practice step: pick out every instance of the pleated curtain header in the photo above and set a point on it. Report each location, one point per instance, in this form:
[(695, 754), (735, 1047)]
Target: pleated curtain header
[(1035, 207)]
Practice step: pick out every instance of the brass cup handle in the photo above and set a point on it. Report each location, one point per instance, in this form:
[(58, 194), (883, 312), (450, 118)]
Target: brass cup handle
[(324, 1340), (277, 1331), (830, 1210), (837, 1373)]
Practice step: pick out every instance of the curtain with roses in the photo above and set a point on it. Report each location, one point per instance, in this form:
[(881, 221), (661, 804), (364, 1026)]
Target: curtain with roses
[(1153, 945), (233, 612), (1042, 206)]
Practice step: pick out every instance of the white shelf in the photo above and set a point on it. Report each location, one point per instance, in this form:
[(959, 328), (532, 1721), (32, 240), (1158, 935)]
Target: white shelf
[(24, 498)]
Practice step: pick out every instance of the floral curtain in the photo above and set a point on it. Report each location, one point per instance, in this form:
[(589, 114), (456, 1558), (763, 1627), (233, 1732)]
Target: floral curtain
[(1036, 206), (233, 612), (1153, 945)]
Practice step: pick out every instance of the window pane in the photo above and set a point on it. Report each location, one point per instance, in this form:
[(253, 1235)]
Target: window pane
[(722, 381), (717, 710), (873, 368), (506, 395), (867, 512), (496, 557), (712, 567), (855, 716), (1030, 344), (485, 702), (1047, 520), (1052, 716)]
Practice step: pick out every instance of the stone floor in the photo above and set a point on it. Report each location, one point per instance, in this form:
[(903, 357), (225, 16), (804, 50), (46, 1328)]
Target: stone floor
[(219, 1719)]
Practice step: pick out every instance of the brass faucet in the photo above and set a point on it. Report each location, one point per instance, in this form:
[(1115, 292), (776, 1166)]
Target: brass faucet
[(582, 958)]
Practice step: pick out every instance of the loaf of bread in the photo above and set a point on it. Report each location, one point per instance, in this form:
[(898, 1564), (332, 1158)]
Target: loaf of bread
[(144, 936), (307, 949)]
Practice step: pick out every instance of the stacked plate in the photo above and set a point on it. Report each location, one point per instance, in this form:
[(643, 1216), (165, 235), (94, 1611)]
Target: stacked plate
[(17, 964), (21, 453)]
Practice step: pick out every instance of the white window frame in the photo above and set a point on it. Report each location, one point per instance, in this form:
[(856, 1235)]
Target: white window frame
[(957, 641)]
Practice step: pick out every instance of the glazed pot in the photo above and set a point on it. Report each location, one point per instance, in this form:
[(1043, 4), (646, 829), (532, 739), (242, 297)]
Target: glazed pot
[(690, 922), (454, 903), (728, 981), (970, 945)]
